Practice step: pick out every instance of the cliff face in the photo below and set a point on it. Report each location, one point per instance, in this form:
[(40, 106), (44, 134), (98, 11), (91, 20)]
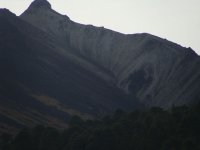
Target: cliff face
[(158, 71), (53, 68)]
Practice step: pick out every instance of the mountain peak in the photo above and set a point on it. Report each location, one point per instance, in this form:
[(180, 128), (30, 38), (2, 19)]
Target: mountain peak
[(40, 4)]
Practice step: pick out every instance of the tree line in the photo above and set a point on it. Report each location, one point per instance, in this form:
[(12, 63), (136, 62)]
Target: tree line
[(153, 129)]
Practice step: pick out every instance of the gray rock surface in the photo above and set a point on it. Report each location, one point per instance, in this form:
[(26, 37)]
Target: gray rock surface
[(174, 71)]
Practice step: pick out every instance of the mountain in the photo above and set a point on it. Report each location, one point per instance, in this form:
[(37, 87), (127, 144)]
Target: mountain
[(53, 68), (167, 69)]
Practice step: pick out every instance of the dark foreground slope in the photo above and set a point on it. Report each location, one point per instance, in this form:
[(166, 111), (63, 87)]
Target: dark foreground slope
[(42, 82), (151, 130)]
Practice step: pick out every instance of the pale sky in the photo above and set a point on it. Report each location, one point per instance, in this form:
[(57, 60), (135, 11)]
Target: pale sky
[(175, 20)]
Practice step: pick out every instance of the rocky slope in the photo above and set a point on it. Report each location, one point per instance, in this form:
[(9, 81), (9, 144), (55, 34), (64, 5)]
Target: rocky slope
[(52, 68), (160, 72), (42, 82)]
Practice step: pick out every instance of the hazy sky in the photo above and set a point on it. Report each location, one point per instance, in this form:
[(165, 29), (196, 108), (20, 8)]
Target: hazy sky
[(175, 20)]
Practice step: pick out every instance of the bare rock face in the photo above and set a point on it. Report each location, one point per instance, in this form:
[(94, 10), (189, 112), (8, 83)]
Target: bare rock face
[(158, 71)]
